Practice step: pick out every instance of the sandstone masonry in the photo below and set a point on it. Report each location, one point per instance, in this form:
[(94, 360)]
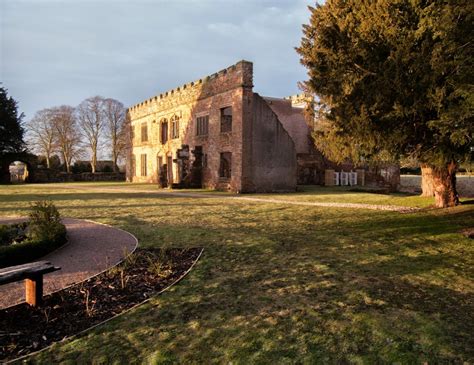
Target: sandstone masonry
[(213, 133)]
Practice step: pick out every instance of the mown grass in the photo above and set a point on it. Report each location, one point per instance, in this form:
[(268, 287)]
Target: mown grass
[(315, 194), (282, 283)]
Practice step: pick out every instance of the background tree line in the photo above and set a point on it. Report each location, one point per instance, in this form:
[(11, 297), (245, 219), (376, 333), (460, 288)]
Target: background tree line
[(97, 124)]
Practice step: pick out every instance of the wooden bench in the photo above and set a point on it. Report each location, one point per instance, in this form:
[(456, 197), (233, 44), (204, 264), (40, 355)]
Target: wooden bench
[(32, 273)]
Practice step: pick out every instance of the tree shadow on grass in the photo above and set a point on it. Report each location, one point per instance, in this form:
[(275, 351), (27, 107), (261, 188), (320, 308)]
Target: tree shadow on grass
[(259, 302), (89, 196), (245, 317), (319, 288)]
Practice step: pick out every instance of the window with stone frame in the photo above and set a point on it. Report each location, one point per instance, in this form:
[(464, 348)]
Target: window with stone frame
[(226, 119), (132, 133), (143, 164), (225, 165), (144, 132), (174, 127), (164, 131), (202, 125)]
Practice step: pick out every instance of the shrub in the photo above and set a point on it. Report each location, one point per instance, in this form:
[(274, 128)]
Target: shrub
[(13, 233), (45, 222)]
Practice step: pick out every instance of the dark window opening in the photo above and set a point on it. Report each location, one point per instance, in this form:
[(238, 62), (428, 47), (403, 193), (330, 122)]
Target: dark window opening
[(170, 169), (225, 166), (144, 132), (226, 119), (202, 126), (164, 131)]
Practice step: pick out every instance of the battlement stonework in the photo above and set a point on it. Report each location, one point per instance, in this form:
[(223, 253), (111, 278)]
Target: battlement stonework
[(237, 75)]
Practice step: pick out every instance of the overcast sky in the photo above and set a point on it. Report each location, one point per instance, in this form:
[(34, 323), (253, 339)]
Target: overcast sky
[(61, 52)]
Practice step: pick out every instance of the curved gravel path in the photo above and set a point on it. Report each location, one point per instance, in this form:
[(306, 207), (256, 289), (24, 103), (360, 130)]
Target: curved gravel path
[(91, 249)]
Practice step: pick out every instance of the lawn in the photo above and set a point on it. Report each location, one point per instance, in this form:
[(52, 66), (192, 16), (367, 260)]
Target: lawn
[(282, 283)]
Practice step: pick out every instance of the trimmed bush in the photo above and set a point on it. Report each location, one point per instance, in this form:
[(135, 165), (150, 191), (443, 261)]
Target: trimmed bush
[(44, 233)]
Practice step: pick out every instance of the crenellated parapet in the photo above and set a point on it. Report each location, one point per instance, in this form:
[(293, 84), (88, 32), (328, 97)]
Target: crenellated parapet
[(237, 75), (299, 100)]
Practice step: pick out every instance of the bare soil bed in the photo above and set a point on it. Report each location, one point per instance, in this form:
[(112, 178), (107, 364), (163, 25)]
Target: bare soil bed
[(24, 329)]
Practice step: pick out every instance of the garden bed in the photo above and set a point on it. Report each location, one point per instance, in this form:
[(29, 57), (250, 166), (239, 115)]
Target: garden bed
[(24, 329)]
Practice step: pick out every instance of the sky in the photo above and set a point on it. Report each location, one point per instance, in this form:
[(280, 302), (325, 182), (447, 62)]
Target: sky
[(61, 52)]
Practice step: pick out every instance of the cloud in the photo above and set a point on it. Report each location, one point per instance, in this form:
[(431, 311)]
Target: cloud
[(60, 52)]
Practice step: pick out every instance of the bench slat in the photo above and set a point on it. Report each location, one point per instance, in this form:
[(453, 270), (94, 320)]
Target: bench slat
[(20, 272), (24, 266)]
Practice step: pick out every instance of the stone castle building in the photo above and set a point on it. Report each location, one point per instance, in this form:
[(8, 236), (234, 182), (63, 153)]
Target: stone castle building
[(218, 133)]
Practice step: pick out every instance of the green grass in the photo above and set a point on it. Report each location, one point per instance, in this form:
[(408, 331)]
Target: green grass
[(315, 194), (282, 283), (343, 194)]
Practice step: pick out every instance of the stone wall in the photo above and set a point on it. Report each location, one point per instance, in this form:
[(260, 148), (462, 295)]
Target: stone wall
[(464, 184), (293, 121), (273, 155)]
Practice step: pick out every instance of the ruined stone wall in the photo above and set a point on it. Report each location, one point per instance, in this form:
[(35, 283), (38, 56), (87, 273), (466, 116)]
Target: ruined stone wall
[(203, 97), (273, 156), (293, 121)]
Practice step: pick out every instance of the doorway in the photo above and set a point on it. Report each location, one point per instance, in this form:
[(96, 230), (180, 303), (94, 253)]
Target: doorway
[(170, 170), (18, 172)]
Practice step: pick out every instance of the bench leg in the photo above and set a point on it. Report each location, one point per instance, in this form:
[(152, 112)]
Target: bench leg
[(34, 290)]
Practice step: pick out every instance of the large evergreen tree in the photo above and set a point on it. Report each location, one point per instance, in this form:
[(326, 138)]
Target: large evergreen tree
[(11, 129), (396, 77)]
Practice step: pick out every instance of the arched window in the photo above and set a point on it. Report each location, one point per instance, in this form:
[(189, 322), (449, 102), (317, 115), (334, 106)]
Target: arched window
[(174, 126), (164, 131)]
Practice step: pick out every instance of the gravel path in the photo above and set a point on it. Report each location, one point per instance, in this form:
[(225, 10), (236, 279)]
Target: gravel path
[(91, 249)]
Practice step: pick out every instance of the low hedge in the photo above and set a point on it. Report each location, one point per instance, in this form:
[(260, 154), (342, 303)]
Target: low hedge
[(30, 250), (45, 233)]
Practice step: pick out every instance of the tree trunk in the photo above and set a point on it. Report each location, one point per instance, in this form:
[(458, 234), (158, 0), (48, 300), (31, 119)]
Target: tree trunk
[(114, 158), (427, 187), (444, 183), (66, 162), (48, 163), (94, 162)]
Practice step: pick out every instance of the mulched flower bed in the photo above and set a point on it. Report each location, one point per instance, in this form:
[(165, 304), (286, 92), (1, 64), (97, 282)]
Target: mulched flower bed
[(24, 329)]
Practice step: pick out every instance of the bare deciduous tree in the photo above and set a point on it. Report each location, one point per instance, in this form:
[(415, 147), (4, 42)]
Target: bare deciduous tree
[(114, 113), (41, 134), (91, 120), (68, 137)]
